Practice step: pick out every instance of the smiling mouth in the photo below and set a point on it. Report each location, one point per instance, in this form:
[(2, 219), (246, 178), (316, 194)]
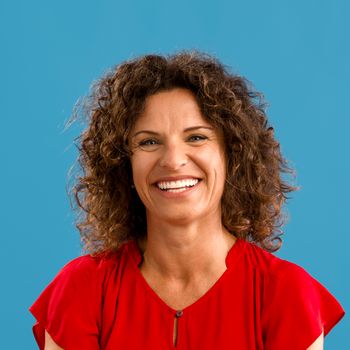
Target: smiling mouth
[(177, 186)]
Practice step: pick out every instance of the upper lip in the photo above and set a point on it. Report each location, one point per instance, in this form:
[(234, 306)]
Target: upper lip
[(176, 178)]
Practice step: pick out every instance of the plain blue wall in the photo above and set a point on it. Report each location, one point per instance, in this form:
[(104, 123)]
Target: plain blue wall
[(296, 52)]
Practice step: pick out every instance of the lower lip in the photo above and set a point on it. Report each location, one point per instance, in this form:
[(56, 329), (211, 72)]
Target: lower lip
[(184, 193)]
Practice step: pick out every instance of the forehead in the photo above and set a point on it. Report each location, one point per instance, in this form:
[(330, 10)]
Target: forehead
[(176, 107)]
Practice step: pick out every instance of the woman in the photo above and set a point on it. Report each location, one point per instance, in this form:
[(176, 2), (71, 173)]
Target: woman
[(182, 195)]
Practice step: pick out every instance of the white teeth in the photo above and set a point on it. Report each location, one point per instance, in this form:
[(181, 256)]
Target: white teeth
[(173, 186)]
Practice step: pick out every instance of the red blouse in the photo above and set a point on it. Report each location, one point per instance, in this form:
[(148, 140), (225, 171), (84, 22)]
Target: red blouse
[(259, 302)]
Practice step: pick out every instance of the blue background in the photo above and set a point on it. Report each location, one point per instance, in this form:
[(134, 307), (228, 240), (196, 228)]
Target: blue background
[(296, 52)]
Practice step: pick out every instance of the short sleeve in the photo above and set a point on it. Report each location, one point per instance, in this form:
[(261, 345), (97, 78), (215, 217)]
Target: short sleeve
[(69, 307), (297, 308)]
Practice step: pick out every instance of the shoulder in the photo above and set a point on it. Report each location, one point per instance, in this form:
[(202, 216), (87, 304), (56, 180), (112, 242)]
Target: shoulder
[(90, 266), (278, 276), (69, 308), (291, 301), (269, 265), (86, 275)]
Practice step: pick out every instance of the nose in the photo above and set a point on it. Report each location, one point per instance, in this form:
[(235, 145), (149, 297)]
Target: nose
[(173, 157)]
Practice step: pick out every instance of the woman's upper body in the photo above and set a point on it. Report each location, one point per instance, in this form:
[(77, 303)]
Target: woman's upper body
[(259, 302), (178, 154)]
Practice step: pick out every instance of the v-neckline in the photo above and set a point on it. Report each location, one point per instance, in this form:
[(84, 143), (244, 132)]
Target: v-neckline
[(230, 259)]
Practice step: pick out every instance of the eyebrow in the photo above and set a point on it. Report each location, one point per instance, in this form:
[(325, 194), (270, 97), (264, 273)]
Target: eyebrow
[(185, 130)]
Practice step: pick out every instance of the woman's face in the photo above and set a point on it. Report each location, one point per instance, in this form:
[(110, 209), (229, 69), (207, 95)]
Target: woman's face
[(178, 159)]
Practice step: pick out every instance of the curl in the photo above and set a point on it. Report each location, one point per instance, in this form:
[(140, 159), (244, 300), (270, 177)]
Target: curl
[(110, 211)]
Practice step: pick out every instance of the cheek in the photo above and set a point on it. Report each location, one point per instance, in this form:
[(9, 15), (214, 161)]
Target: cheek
[(138, 176), (218, 165), (136, 167), (213, 161), (141, 166)]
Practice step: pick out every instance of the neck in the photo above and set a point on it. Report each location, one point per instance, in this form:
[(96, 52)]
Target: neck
[(182, 252)]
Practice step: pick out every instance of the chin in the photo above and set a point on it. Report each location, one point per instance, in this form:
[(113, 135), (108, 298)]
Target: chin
[(180, 217)]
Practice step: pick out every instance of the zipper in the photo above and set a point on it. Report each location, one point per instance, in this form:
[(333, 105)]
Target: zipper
[(178, 314)]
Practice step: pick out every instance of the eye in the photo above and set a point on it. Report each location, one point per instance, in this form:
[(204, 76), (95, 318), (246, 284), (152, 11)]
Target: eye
[(197, 138), (148, 144)]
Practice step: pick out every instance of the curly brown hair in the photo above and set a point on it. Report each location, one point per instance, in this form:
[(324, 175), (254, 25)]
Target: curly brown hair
[(111, 210)]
